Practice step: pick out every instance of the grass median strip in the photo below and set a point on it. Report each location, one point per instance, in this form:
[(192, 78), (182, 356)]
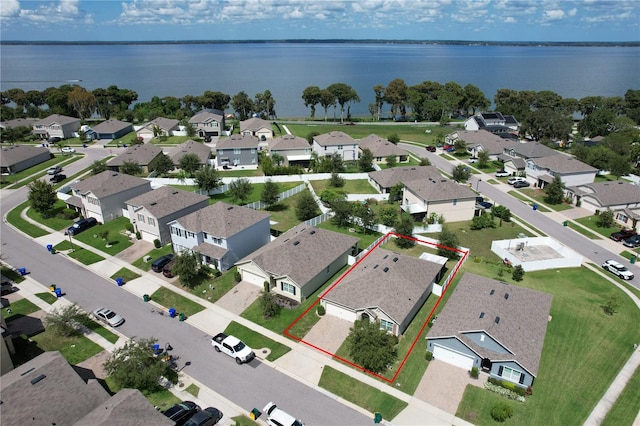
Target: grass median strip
[(14, 218), (126, 275), (362, 395), (181, 304), (83, 256), (256, 340), (47, 297)]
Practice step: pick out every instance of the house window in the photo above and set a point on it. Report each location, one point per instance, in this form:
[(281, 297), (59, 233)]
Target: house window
[(378, 159), (140, 218), (455, 202), (510, 374), (288, 288), (190, 234), (217, 240), (220, 151), (205, 235), (236, 150), (152, 221), (621, 217), (386, 325), (339, 146)]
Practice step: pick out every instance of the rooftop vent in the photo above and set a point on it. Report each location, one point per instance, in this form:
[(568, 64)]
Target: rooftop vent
[(295, 243), (506, 296), (37, 379), (174, 192), (492, 292), (230, 208), (376, 266), (28, 371), (497, 320), (153, 204), (312, 232), (395, 259), (481, 314), (386, 269), (385, 256)]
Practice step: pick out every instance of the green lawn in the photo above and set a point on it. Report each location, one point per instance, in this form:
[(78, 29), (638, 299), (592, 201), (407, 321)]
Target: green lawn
[(243, 421), (285, 213), (591, 222), (212, 289), (518, 193), (539, 195), (82, 255), (126, 275), (257, 341), (170, 299), (256, 191), (365, 239), (55, 220), (572, 375), (19, 308), (47, 297), (14, 218), (360, 186), (193, 389), (74, 349), (100, 330), (627, 406), (410, 131), (154, 254), (26, 176), (117, 239), (163, 398), (12, 274), (365, 396)]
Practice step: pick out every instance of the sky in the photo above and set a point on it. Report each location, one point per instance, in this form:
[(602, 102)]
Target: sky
[(171, 20)]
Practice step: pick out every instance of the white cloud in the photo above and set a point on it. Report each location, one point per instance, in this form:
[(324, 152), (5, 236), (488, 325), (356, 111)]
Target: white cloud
[(553, 15), (9, 8), (510, 20), (67, 12), (572, 12)]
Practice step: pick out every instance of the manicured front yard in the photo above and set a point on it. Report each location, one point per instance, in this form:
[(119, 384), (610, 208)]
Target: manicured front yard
[(153, 254), (170, 299), (19, 308), (74, 349), (54, 220), (360, 186), (14, 217), (591, 222), (117, 240), (82, 255), (257, 341), (256, 192)]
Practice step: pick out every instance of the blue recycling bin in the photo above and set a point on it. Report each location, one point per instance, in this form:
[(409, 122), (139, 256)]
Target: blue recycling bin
[(84, 145), (22, 271), (172, 312), (119, 281), (156, 349), (535, 207), (58, 292), (49, 247)]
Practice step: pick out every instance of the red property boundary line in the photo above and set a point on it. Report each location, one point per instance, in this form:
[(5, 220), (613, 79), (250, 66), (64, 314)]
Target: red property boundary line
[(286, 332)]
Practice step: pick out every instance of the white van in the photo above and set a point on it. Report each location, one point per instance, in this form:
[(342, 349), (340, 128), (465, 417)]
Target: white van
[(277, 417)]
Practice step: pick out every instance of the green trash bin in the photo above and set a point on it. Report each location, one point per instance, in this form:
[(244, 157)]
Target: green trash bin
[(145, 297), (182, 316), (633, 259), (377, 418)]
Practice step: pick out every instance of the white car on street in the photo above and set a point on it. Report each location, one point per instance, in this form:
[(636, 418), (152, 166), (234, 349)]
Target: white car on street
[(502, 173), (515, 179), (617, 269), (68, 150), (277, 417), (108, 316)]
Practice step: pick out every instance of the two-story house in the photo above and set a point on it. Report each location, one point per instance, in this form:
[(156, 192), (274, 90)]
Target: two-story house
[(257, 127), (103, 196), (327, 144), (294, 150), (382, 149), (221, 233), (151, 212), (493, 122), (56, 126), (237, 151), (441, 196), (208, 123)]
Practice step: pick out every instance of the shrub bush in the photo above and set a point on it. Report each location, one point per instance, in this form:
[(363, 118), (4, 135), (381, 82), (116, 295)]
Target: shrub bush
[(68, 214), (156, 243), (129, 227), (321, 310), (237, 276), (429, 356), (474, 372), (501, 412), (503, 391), (138, 235)]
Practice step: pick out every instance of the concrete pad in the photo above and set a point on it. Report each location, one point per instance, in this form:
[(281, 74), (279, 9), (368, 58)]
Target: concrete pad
[(304, 368), (239, 297), (105, 267), (134, 252), (443, 385), (142, 285), (328, 333), (418, 413), (209, 321)]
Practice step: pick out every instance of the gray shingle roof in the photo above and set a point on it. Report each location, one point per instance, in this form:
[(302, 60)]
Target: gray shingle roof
[(392, 281), (166, 200), (59, 397), (253, 124), (561, 163), (207, 115), (285, 142), (441, 189), (14, 154), (164, 123), (190, 147), (221, 219), (522, 325), (108, 183), (18, 122), (491, 143), (530, 150), (302, 252), (238, 141), (389, 177), (334, 138), (111, 126), (142, 154), (610, 194), (56, 119), (380, 147)]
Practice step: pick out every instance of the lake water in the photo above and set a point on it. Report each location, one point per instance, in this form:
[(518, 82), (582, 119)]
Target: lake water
[(286, 69)]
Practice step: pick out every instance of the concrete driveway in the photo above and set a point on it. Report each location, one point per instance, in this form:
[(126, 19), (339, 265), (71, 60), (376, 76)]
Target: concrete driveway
[(443, 385), (239, 297), (328, 333)]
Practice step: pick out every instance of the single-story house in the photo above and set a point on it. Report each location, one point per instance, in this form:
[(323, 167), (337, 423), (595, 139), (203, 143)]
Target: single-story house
[(480, 140), (237, 151), (493, 122), (622, 198), (299, 261), (496, 327), (327, 144), (18, 122), (141, 154), (257, 127), (382, 149), (571, 170), (112, 129), (528, 150), (294, 150), (15, 158), (202, 151), (158, 127), (441, 196), (103, 196), (49, 391), (56, 126), (386, 287), (208, 122), (151, 212), (384, 180), (222, 233)]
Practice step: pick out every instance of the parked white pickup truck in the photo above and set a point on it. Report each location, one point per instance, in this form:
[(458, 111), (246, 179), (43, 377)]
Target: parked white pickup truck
[(233, 347)]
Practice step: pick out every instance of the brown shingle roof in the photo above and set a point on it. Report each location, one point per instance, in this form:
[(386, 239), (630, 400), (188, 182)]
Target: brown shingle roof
[(206, 116), (380, 147), (610, 194), (221, 219), (142, 154), (108, 183), (253, 124), (561, 163), (166, 200), (164, 123), (392, 281), (441, 189), (334, 138), (111, 126), (389, 177), (285, 142), (14, 154), (238, 141), (190, 147), (302, 252), (530, 150), (491, 143), (56, 119), (522, 325)]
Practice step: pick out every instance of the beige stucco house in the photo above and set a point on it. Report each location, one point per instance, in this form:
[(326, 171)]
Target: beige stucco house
[(441, 196)]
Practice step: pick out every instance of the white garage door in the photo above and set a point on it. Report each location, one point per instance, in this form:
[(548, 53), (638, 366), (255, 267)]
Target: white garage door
[(147, 236), (252, 278), (339, 312), (454, 358)]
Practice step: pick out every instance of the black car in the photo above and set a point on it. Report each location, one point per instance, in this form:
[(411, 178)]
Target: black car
[(431, 148), (167, 270), (633, 241), (207, 417), (81, 225), (182, 412), (623, 234), (58, 178), (521, 184), (161, 262)]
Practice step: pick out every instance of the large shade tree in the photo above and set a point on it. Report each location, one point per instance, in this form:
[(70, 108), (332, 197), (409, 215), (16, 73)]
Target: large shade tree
[(344, 94)]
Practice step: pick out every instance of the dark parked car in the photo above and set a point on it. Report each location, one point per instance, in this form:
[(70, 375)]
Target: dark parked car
[(182, 412), (633, 241), (521, 184), (161, 262), (207, 417), (81, 225), (58, 178), (623, 234), (166, 271), (431, 148)]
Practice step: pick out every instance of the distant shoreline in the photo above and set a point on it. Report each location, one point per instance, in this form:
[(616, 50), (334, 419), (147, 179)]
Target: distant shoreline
[(337, 41)]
